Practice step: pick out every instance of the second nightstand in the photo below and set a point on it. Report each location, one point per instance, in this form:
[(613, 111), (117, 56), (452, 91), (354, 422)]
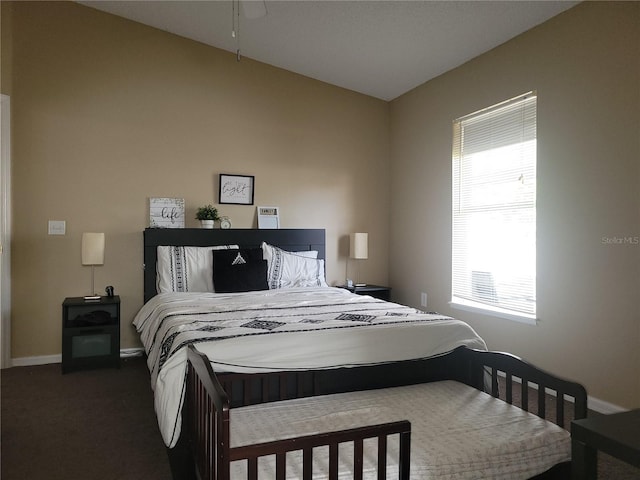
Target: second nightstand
[(90, 333), (377, 291)]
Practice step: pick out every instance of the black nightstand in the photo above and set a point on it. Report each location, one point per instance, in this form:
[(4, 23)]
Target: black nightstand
[(90, 333), (377, 291)]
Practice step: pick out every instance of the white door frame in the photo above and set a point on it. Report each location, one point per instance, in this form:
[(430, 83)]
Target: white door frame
[(5, 232)]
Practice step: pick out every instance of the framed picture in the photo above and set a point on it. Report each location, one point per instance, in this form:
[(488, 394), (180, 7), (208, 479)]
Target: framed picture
[(236, 189), (166, 212), (268, 217)]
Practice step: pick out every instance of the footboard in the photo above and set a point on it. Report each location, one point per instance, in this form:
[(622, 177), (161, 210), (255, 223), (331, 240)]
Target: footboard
[(502, 375), (208, 427)]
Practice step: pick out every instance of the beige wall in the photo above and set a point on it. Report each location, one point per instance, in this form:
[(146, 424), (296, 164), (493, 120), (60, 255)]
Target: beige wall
[(6, 49), (107, 113), (585, 65)]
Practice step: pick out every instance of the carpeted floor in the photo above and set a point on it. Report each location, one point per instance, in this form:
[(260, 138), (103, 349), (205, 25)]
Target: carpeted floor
[(100, 425), (90, 425)]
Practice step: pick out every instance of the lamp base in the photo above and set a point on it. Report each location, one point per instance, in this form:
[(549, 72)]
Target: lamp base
[(94, 297)]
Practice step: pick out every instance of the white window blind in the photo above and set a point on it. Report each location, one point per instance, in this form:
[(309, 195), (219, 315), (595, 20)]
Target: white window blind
[(494, 208)]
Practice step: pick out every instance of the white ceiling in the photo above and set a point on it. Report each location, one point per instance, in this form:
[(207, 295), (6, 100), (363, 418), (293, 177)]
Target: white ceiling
[(379, 48)]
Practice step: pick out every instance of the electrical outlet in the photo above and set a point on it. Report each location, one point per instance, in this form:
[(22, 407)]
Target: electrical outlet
[(423, 299)]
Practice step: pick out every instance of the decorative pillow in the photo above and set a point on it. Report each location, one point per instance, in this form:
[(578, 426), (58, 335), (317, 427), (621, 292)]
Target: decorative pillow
[(287, 270), (186, 269), (267, 252), (305, 253), (239, 270)]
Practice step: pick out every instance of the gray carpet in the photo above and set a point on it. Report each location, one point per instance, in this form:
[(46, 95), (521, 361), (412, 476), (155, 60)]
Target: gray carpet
[(90, 425), (100, 425)]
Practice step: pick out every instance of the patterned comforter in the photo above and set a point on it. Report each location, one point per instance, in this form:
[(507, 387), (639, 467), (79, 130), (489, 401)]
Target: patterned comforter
[(285, 329)]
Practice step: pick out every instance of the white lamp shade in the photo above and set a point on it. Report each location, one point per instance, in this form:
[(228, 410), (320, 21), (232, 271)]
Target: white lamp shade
[(359, 245), (92, 248)]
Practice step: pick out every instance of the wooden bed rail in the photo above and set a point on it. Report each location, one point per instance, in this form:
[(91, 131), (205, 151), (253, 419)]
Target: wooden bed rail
[(473, 367), (208, 430), (250, 389), (489, 369), (306, 444), (207, 416)]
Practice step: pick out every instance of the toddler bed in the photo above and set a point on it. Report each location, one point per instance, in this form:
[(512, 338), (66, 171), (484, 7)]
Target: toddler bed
[(456, 431), (325, 340)]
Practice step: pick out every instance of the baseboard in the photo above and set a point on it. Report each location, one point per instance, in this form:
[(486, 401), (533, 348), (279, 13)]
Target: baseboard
[(47, 359), (40, 360), (131, 352), (601, 406)]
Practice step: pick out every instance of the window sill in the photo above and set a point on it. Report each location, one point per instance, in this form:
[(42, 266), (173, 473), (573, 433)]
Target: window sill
[(468, 306)]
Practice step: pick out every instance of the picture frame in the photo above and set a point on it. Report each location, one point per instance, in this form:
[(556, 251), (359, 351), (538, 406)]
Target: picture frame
[(166, 212), (268, 217), (236, 189)]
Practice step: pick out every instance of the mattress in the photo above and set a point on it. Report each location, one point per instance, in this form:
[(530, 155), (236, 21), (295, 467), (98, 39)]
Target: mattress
[(283, 329), (457, 432)]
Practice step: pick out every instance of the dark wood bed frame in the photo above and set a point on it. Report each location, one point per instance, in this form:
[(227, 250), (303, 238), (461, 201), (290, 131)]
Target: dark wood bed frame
[(203, 450)]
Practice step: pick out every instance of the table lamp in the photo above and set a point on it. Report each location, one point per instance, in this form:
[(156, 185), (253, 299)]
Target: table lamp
[(359, 250), (92, 254)]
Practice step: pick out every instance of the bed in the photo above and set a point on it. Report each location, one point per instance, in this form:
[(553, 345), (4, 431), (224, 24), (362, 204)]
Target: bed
[(252, 349)]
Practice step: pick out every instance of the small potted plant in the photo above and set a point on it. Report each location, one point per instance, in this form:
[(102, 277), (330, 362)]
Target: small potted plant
[(207, 215)]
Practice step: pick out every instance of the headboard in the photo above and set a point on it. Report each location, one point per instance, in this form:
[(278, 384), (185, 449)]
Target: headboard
[(288, 239)]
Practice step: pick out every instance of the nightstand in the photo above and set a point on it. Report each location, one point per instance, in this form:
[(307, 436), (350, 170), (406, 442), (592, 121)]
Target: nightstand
[(90, 333), (377, 291)]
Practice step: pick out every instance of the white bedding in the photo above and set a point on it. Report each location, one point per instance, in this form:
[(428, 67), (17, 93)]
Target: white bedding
[(285, 329), (457, 432)]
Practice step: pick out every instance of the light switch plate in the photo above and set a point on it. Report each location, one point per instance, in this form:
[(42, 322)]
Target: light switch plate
[(57, 227)]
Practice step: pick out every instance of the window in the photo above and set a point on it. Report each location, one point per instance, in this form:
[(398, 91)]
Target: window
[(494, 210)]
